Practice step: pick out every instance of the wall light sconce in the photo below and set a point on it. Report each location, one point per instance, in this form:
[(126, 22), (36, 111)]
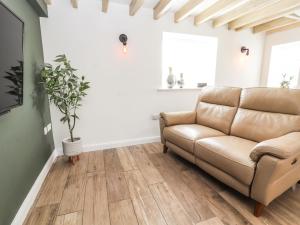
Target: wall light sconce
[(244, 49), (123, 38)]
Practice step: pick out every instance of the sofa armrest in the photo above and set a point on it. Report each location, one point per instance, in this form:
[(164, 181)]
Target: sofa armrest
[(282, 147), (176, 118), (273, 176)]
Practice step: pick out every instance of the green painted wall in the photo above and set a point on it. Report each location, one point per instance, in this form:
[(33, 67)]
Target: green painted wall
[(23, 147)]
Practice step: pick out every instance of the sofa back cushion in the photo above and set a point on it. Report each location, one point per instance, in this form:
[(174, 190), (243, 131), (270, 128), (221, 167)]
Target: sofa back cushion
[(266, 113), (217, 107)]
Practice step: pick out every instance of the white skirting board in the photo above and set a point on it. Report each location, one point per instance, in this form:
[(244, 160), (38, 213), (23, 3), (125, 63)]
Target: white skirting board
[(30, 198), (115, 144)]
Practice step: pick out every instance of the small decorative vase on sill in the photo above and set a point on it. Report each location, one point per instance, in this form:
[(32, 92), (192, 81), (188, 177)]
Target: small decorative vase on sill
[(180, 82), (171, 80)]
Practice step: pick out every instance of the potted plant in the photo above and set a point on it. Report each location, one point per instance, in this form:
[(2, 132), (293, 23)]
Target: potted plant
[(286, 81), (66, 90)]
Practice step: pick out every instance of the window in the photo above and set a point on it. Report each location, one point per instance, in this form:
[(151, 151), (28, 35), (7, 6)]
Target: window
[(194, 56), (285, 59)]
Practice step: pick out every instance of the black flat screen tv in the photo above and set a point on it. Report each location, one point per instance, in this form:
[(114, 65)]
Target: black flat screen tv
[(11, 60)]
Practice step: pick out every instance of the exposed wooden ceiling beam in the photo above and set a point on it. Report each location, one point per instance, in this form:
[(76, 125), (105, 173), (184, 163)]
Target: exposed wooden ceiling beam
[(186, 10), (248, 7), (104, 5), (48, 2), (161, 8), (277, 23), (219, 6), (285, 28), (74, 3), (264, 20), (135, 5), (271, 12)]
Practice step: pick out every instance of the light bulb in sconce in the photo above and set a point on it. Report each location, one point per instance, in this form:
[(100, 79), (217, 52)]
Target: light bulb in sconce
[(123, 39), (124, 49)]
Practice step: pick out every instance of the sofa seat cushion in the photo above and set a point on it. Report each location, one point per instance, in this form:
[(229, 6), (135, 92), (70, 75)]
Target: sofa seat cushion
[(230, 154), (184, 136)]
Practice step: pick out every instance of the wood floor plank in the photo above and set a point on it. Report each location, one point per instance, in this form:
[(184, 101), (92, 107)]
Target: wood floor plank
[(151, 148), (80, 167), (69, 219), (95, 162), (245, 206), (73, 196), (226, 212), (218, 205), (117, 189), (212, 221), (148, 170), (145, 207), (96, 204), (126, 159), (122, 213), (169, 205), (111, 161), (177, 163), (147, 211), (291, 201), (282, 214), (136, 184), (189, 177), (44, 215), (54, 184), (197, 209)]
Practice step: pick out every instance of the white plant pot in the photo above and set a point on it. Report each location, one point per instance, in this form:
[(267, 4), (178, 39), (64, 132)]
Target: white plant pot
[(72, 148)]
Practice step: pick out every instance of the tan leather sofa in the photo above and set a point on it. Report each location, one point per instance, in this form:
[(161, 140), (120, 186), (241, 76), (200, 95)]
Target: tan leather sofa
[(247, 138)]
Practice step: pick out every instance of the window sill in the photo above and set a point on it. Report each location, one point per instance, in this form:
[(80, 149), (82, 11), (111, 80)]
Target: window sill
[(178, 89)]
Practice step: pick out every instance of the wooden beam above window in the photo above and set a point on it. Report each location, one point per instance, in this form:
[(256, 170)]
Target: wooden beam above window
[(135, 5), (161, 8), (105, 5), (186, 9), (271, 12), (285, 28), (280, 22)]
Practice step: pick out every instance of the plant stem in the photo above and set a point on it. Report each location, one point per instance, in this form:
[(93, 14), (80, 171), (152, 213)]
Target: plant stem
[(70, 130)]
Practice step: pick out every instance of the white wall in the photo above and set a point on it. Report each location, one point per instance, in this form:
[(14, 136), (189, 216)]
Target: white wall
[(276, 39), (124, 87)]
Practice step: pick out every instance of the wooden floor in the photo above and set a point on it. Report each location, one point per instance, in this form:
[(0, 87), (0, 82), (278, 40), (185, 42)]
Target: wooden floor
[(141, 185)]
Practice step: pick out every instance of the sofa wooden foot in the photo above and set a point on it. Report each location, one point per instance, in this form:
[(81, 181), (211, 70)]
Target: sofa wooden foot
[(165, 149), (258, 209)]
